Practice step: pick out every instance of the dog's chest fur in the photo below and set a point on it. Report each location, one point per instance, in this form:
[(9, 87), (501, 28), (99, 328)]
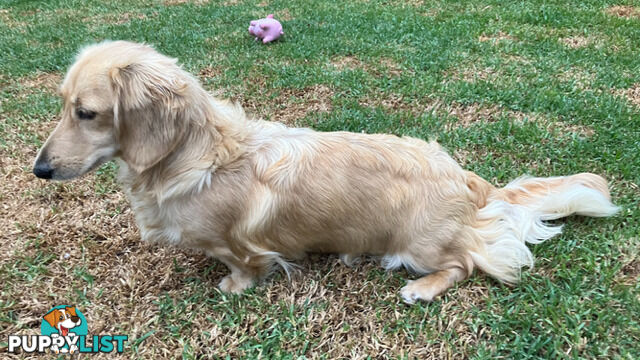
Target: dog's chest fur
[(156, 223), (165, 214)]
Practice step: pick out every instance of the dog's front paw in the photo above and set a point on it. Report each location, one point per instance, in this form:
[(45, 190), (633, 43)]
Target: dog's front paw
[(235, 284), (415, 291)]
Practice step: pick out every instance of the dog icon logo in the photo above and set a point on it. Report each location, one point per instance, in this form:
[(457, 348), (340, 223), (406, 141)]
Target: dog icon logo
[(66, 322), (64, 330)]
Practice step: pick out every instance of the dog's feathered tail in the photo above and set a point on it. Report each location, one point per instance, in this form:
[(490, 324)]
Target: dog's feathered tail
[(510, 217)]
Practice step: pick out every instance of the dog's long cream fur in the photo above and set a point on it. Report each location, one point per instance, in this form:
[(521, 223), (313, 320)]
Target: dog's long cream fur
[(255, 194)]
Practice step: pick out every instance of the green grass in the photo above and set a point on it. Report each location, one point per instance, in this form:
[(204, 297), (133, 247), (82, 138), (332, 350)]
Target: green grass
[(552, 110)]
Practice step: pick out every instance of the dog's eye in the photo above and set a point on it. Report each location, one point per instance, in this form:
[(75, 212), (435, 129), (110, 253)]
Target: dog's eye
[(85, 114), (61, 317)]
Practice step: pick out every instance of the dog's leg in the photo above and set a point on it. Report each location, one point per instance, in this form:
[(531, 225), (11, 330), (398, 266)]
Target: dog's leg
[(428, 287)]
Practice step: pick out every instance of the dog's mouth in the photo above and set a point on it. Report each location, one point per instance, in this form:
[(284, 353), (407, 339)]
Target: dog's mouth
[(64, 330)]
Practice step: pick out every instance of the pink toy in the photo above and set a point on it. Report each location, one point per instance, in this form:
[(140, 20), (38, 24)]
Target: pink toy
[(267, 29)]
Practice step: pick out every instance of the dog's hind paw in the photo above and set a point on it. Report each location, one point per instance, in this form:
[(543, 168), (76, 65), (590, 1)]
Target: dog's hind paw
[(413, 292), (428, 287), (350, 259)]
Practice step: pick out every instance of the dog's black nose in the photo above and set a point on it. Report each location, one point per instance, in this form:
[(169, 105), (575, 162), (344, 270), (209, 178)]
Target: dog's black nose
[(43, 170)]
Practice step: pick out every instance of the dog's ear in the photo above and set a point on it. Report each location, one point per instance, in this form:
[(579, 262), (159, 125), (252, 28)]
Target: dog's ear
[(51, 317), (71, 310), (148, 113)]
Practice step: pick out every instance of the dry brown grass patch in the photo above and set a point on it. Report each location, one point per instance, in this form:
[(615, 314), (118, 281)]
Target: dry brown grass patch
[(26, 86), (348, 62), (209, 72), (403, 3), (576, 42), (391, 67), (462, 156), (631, 272), (579, 77), (180, 2), (126, 17), (568, 128), (629, 251), (632, 94), (472, 73), (519, 59), (48, 82), (283, 15), (291, 105), (497, 37), (99, 20), (624, 11), (470, 114), (9, 20), (392, 102), (431, 13), (383, 66)]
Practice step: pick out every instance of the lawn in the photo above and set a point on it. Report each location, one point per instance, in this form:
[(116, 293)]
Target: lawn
[(538, 87)]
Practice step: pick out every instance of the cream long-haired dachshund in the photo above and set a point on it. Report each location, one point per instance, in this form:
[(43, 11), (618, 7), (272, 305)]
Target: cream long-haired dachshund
[(255, 194)]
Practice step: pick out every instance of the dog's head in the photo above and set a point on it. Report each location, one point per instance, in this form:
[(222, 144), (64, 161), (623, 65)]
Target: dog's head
[(63, 319), (121, 99)]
